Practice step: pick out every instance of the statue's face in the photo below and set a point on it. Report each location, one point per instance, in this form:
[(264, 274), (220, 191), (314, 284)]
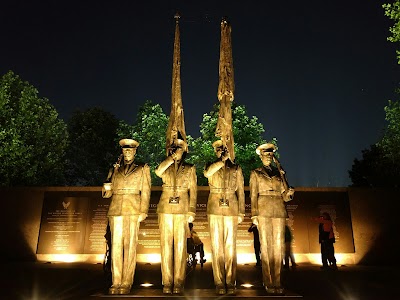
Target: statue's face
[(129, 153), (266, 157)]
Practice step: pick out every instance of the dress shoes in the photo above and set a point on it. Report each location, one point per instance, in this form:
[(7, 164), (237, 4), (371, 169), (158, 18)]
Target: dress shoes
[(231, 290), (167, 289), (113, 290), (124, 289), (270, 289), (324, 268), (220, 290), (178, 289)]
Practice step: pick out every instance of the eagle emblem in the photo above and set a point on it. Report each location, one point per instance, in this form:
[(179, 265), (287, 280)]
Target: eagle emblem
[(65, 205)]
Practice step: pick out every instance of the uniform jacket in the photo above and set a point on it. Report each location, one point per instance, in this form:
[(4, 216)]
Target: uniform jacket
[(130, 194), (233, 187), (267, 193), (186, 188)]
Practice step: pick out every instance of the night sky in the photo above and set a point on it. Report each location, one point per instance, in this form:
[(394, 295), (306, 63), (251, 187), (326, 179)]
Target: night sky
[(317, 74)]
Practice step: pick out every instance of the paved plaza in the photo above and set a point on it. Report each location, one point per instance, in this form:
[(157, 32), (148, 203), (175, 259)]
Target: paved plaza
[(53, 281)]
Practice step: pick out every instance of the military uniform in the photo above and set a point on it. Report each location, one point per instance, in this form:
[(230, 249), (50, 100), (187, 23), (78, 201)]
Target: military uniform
[(267, 193), (177, 203), (224, 208), (130, 197)]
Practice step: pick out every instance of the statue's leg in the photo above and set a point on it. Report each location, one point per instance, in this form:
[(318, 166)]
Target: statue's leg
[(165, 223)]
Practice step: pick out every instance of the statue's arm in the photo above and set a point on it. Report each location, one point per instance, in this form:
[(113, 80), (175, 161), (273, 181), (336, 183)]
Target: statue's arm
[(164, 165), (240, 191), (193, 192), (212, 168), (253, 185), (145, 190)]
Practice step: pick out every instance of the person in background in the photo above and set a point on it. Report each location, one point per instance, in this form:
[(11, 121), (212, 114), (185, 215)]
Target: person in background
[(256, 242), (197, 243), (129, 186), (288, 249), (326, 239)]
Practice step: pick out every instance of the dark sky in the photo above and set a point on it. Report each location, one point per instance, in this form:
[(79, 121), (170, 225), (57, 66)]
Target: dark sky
[(317, 74)]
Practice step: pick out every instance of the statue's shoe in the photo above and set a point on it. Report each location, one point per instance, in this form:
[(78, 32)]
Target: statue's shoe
[(178, 289), (220, 290), (124, 289), (167, 289), (113, 290)]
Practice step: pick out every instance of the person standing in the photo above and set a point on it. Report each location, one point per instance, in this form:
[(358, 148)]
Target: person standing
[(288, 249), (326, 239), (225, 210), (257, 247), (198, 245), (268, 192), (129, 186), (176, 207)]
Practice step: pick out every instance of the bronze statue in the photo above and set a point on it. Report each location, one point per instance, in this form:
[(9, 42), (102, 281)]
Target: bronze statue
[(225, 210), (177, 207), (269, 190), (129, 186)]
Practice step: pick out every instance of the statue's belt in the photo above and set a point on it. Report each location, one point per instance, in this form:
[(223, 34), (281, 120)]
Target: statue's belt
[(171, 188), (269, 193), (221, 191), (126, 192)]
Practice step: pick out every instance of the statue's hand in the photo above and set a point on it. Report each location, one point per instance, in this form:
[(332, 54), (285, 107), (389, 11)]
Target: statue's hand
[(240, 219), (255, 220), (190, 218), (142, 217), (290, 194), (107, 190)]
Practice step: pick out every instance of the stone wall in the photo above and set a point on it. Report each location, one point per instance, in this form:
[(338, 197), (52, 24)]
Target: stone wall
[(365, 221)]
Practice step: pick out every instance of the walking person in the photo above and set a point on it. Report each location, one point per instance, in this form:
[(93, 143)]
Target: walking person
[(256, 242), (288, 249)]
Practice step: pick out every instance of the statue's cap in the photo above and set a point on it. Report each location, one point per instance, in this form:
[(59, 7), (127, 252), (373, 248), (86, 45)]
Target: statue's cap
[(267, 147), (217, 143), (128, 143)]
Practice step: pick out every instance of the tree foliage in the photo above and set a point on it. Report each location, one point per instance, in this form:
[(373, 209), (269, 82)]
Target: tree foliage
[(32, 137), (380, 165), (92, 147), (149, 130), (374, 170), (390, 142), (247, 134), (392, 11)]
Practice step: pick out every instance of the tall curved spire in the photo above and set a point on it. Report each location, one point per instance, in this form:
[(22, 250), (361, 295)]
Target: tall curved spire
[(226, 88), (176, 124)]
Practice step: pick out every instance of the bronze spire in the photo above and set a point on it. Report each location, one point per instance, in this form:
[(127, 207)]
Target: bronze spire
[(226, 89), (176, 124)]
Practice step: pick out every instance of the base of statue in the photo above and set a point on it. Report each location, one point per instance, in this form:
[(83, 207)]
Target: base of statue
[(203, 294)]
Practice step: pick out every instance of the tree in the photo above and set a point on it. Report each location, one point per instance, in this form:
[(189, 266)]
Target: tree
[(32, 137), (247, 134), (93, 146), (390, 142), (380, 165), (149, 130), (392, 11), (374, 169)]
